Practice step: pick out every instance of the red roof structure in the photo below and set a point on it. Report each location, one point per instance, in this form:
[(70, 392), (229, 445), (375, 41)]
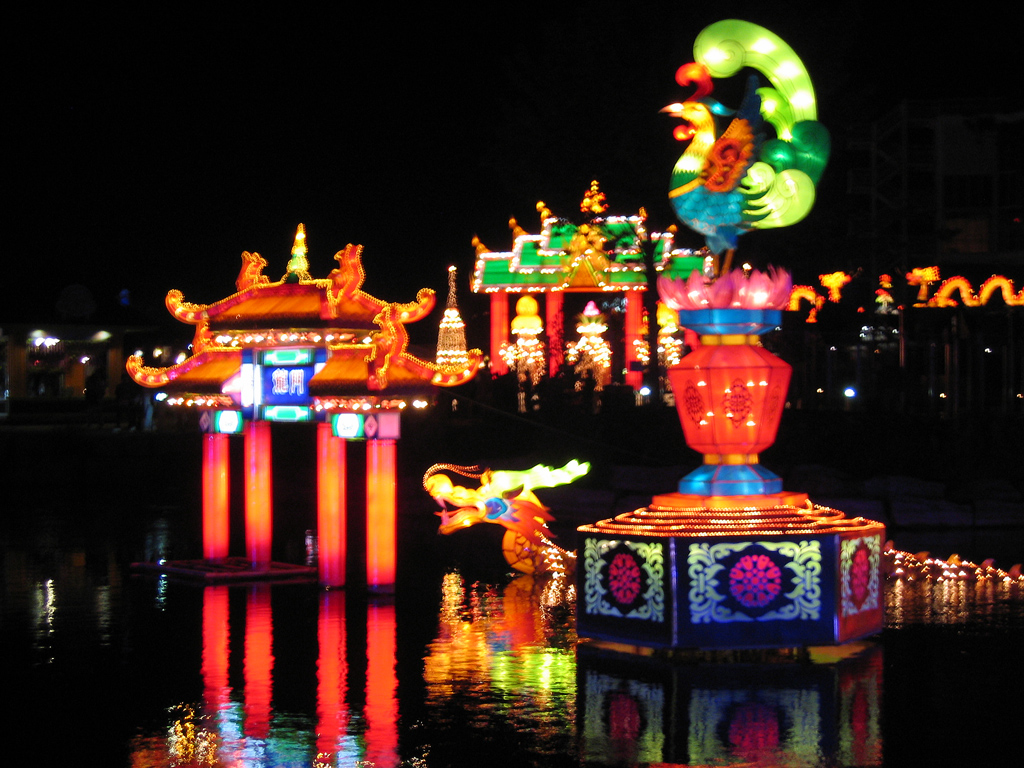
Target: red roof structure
[(365, 338)]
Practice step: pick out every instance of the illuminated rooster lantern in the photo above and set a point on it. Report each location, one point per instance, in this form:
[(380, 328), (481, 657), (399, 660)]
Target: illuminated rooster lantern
[(734, 177)]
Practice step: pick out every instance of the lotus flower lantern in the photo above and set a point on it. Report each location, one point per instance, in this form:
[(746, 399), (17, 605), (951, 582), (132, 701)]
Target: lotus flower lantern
[(730, 391)]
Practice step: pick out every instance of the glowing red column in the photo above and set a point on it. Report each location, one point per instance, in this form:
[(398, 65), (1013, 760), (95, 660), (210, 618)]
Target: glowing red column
[(499, 331), (216, 526), (332, 671), (331, 510), (634, 323), (259, 662), (554, 326), (258, 492), (381, 687), (380, 514)]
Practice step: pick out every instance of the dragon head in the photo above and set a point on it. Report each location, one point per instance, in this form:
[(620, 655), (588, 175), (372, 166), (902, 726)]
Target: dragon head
[(504, 497)]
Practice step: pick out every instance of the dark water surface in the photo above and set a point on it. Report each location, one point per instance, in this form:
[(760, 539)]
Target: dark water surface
[(465, 665)]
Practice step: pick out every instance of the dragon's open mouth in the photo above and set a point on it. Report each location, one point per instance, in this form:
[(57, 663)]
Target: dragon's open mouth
[(462, 517)]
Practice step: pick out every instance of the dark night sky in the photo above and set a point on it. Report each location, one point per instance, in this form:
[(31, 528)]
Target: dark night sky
[(148, 149)]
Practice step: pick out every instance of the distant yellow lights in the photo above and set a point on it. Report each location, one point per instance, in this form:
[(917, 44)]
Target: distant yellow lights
[(922, 566)]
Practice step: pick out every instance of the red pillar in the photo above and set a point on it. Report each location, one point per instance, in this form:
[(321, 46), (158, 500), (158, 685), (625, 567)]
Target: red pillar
[(499, 331), (634, 321), (216, 493), (258, 493), (555, 325), (381, 517), (331, 509)]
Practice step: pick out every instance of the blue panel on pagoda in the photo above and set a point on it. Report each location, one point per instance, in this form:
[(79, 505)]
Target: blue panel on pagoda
[(286, 385)]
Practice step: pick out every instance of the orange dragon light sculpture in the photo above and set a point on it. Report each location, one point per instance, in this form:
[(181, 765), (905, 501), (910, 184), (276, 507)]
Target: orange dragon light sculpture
[(506, 498)]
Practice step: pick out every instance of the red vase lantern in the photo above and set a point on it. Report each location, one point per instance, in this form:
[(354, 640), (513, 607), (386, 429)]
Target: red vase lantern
[(730, 394)]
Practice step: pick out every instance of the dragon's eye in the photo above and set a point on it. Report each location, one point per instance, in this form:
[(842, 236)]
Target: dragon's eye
[(495, 507)]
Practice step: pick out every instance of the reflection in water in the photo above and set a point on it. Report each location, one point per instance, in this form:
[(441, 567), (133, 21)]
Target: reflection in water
[(216, 659), (292, 675), (767, 710), (501, 679), (501, 673), (381, 687), (45, 615), (154, 673), (332, 672), (949, 602), (259, 662)]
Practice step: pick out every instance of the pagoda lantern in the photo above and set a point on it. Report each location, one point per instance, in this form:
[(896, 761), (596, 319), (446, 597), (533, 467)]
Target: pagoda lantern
[(590, 355), (526, 356), (303, 349)]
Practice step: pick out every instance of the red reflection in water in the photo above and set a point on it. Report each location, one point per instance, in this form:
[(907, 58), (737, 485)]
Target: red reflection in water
[(754, 731), (259, 662), (623, 716), (216, 648), (625, 727), (332, 669), (381, 687)]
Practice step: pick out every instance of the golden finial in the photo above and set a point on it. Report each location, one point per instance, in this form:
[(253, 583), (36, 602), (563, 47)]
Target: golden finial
[(594, 200), (544, 211), (481, 249), (298, 266), (517, 231)]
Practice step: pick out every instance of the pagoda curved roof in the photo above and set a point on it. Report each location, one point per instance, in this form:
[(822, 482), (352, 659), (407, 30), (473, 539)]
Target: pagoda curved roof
[(365, 337)]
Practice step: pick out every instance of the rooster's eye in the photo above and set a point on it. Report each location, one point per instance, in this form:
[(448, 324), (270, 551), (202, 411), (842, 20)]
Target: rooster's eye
[(684, 132)]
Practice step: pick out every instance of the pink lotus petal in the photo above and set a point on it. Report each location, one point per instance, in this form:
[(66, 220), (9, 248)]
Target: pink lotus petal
[(758, 290)]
